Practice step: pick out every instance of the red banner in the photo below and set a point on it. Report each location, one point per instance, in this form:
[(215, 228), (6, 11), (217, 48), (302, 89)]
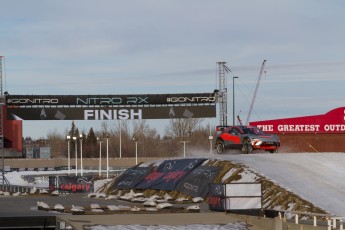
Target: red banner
[(331, 122)]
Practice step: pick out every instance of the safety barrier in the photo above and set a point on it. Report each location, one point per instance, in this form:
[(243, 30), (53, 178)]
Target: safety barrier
[(18, 188), (331, 221)]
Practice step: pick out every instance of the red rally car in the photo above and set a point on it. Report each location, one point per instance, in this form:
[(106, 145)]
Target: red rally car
[(245, 138)]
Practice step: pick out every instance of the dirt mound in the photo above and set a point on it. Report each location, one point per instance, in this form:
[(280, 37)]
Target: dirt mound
[(273, 195)]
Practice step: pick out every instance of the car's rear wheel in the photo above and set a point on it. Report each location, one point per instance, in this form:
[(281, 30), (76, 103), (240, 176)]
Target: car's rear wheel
[(273, 151), (247, 146), (219, 147)]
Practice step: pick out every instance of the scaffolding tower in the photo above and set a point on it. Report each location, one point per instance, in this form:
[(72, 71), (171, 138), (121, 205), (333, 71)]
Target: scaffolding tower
[(222, 94)]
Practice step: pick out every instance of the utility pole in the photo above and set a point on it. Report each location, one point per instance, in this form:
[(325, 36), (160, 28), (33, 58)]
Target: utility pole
[(2, 104)]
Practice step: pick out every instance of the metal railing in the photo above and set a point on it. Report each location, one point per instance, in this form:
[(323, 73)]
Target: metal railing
[(332, 221)]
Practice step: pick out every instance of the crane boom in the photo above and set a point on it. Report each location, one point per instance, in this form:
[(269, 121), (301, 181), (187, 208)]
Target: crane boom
[(255, 92)]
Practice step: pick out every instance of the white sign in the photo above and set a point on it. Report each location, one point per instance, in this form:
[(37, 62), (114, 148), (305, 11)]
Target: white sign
[(243, 189)]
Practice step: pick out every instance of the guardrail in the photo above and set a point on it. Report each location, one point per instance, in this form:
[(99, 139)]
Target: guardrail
[(332, 221), (18, 188)]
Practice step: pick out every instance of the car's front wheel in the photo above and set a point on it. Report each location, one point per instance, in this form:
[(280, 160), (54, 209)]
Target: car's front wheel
[(220, 147)]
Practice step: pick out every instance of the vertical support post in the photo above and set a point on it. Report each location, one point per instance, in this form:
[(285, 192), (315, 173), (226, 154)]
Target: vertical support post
[(210, 137), (100, 159), (136, 153), (81, 154), (315, 222), (184, 148), (76, 155), (296, 219), (69, 154), (329, 224), (233, 100), (107, 157), (120, 138)]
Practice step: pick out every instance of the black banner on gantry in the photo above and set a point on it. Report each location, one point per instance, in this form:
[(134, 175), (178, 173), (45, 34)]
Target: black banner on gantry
[(110, 113), (110, 100)]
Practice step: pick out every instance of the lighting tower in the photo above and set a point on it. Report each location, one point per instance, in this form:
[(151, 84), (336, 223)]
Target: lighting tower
[(2, 103), (222, 95)]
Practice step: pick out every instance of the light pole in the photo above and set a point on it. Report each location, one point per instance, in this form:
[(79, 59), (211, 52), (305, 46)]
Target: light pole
[(100, 157), (107, 137), (69, 153), (184, 147), (81, 154), (233, 100), (136, 151), (76, 155), (120, 139)]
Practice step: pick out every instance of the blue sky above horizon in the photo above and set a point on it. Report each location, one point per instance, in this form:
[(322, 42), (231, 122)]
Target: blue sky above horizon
[(153, 47)]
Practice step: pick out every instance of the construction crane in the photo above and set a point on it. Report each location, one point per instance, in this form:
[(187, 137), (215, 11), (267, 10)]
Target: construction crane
[(255, 92)]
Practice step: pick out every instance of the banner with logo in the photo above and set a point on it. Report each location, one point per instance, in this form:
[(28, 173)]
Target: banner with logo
[(71, 184), (129, 178), (110, 113), (330, 122), (110, 100), (217, 197), (196, 183), (168, 174)]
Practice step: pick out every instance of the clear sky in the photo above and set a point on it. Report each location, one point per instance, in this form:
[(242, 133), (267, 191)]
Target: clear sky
[(157, 47)]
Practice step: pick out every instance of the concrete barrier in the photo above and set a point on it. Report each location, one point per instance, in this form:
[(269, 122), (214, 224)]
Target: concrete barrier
[(87, 162)]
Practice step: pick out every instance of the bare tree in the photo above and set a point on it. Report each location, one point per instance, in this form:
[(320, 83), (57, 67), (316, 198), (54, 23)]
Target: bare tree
[(183, 127), (57, 143)]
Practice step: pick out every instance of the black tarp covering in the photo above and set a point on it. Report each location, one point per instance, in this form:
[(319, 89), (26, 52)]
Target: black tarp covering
[(196, 183), (132, 176), (168, 174), (216, 200)]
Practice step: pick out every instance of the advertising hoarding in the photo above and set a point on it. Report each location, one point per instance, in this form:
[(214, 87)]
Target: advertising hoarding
[(110, 100), (110, 113), (71, 184), (331, 122)]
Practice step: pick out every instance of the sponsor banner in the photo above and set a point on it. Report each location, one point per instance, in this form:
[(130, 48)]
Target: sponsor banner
[(331, 122), (110, 100), (168, 174), (216, 201), (71, 184), (217, 190), (129, 178), (111, 113), (196, 183)]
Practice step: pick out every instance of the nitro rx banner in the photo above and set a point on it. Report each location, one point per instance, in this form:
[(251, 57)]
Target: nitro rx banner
[(71, 184), (169, 173), (129, 178), (110, 113), (197, 182)]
